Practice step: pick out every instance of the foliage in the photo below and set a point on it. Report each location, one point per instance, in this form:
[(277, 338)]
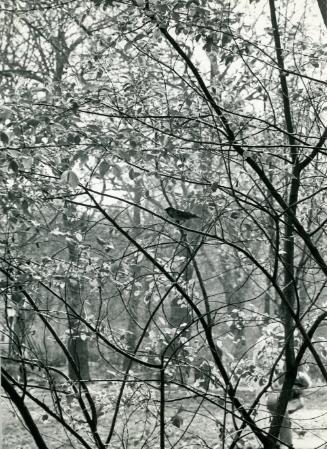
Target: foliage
[(116, 315)]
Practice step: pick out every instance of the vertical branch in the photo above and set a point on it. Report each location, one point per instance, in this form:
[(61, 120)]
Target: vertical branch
[(162, 406), (289, 239), (282, 74)]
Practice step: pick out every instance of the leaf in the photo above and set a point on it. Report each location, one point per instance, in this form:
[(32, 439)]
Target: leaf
[(27, 162), (25, 206), (32, 122), (17, 130), (128, 46), (93, 128), (5, 113), (57, 232), (225, 39), (13, 166), (73, 138), (116, 171), (103, 168), (100, 240), (109, 247), (139, 36), (14, 154), (69, 177), (99, 74), (214, 186), (94, 283), (4, 138), (228, 59), (133, 174), (79, 237)]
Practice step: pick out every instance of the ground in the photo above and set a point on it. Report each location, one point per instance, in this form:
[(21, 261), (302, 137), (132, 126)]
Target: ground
[(309, 424)]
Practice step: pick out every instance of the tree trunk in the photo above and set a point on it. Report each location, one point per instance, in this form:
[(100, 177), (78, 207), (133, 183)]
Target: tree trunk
[(18, 325), (134, 300), (77, 344), (77, 341), (231, 288)]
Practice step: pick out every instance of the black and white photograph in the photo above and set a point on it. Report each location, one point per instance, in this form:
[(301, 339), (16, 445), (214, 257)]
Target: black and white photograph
[(163, 224)]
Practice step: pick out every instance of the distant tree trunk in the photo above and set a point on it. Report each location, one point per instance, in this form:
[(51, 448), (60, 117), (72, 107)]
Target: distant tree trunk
[(231, 286), (17, 331), (77, 343), (18, 334), (134, 300), (18, 321)]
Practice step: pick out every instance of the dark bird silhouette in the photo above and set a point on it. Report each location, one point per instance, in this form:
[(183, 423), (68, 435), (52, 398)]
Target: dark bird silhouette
[(177, 421), (179, 215)]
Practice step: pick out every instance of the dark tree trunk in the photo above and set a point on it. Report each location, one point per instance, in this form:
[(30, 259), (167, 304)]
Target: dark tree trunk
[(23, 410), (77, 340), (77, 346)]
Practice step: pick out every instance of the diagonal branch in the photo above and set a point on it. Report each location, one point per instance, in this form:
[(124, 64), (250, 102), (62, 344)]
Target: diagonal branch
[(23, 410), (315, 151)]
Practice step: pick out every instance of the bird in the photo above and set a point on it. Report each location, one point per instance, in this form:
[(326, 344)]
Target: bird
[(180, 215), (177, 421)]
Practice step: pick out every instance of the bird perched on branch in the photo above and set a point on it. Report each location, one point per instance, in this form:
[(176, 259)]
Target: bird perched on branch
[(179, 215)]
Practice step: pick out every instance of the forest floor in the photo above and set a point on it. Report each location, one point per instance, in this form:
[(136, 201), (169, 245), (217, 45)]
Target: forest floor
[(309, 425)]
